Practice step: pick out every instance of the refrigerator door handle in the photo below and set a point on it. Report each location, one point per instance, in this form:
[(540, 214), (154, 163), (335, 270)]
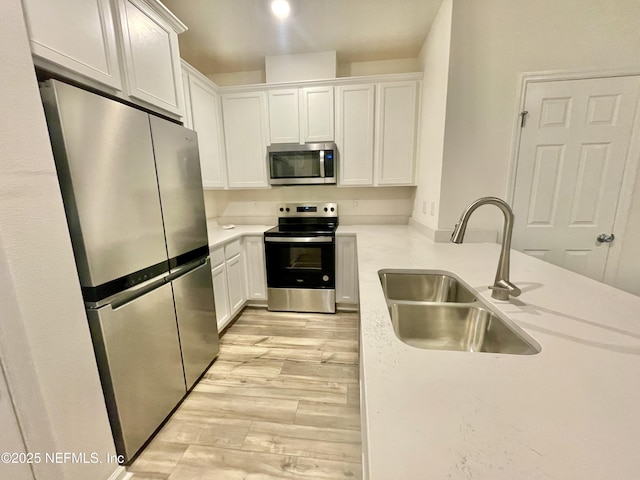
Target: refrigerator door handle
[(186, 268), (121, 299)]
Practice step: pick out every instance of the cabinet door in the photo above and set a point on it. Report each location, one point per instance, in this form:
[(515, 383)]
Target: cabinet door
[(221, 295), (151, 57), (396, 133), (284, 116), (244, 134), (317, 114), (77, 36), (346, 270), (354, 134), (205, 112), (256, 274), (187, 117), (237, 293)]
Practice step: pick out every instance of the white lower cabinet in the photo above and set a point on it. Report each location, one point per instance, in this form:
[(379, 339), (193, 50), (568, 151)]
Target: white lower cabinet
[(221, 295), (346, 270), (235, 276), (255, 266), (229, 281)]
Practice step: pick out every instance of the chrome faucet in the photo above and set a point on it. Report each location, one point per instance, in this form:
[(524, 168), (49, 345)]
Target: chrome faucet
[(502, 287)]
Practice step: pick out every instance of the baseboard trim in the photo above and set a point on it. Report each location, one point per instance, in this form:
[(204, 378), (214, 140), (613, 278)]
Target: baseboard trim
[(347, 307), (120, 474)]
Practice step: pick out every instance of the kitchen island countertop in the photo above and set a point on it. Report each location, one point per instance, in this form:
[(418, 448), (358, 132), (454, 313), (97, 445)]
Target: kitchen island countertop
[(571, 411)]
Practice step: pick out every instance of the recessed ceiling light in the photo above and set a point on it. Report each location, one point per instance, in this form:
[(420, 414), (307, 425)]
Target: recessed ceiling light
[(280, 8)]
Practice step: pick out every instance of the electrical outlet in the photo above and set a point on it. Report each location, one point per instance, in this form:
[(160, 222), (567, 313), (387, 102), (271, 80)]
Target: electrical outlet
[(424, 207), (355, 204), (433, 208)]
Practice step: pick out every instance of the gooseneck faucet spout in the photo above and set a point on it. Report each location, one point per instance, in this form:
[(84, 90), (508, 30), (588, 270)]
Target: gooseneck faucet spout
[(502, 287)]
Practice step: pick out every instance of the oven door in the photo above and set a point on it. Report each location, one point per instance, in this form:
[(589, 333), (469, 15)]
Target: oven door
[(300, 262)]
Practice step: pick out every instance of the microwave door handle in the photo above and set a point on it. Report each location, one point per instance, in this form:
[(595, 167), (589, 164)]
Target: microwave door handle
[(322, 174)]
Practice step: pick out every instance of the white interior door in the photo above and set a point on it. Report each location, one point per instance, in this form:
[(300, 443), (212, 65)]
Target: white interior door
[(573, 150)]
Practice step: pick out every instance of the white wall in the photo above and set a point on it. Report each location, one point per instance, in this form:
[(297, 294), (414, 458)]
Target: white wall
[(355, 69), (492, 42), (254, 77), (379, 67), (11, 439), (628, 275), (356, 205), (434, 63), (44, 337)]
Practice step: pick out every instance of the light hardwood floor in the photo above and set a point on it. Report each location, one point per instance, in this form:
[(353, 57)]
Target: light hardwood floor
[(280, 402)]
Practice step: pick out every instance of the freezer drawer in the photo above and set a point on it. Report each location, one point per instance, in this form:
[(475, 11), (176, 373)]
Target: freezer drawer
[(193, 293), (178, 167), (138, 355)]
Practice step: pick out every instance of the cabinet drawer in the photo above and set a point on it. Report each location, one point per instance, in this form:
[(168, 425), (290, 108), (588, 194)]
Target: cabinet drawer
[(217, 256), (232, 249)]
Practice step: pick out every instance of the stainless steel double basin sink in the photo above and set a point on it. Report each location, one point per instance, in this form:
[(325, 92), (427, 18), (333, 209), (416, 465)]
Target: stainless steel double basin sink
[(435, 310)]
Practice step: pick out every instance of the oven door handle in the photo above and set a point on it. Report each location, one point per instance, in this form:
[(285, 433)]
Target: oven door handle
[(299, 239)]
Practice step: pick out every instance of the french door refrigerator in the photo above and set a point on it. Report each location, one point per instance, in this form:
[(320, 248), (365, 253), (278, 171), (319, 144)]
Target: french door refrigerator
[(133, 197)]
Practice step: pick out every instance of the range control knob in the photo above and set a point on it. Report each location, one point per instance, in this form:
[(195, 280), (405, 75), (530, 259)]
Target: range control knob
[(281, 209), (326, 209), (325, 278), (287, 209), (332, 209)]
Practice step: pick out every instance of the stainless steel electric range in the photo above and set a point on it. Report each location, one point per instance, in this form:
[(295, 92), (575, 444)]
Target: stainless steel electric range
[(300, 255)]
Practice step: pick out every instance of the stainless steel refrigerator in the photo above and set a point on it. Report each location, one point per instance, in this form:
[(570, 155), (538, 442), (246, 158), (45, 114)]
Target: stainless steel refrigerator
[(132, 191)]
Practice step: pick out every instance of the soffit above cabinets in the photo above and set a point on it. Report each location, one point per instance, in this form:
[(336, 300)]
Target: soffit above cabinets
[(235, 35)]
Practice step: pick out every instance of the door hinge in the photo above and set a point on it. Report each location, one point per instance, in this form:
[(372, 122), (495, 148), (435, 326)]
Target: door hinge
[(523, 116)]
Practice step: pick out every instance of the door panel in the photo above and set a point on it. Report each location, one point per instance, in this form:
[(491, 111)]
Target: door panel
[(206, 116), (178, 166), (196, 313), (105, 166), (573, 152), (354, 133), (221, 294), (140, 366)]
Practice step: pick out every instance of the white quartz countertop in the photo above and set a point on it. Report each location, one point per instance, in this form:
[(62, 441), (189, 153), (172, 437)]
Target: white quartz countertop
[(219, 236), (570, 412)]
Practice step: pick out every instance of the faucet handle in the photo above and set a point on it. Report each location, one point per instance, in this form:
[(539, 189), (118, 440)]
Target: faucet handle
[(502, 289)]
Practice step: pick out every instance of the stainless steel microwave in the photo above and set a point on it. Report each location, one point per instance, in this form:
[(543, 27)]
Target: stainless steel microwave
[(308, 164)]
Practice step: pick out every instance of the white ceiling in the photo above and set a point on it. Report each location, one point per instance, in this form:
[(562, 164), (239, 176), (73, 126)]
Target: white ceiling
[(227, 36)]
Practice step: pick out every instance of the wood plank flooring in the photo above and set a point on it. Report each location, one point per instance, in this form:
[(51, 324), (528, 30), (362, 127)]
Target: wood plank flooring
[(280, 402)]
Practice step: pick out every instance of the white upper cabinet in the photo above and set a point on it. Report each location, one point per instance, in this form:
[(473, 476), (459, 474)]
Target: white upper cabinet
[(202, 105), (354, 133), (395, 133), (187, 117), (151, 55), (127, 48), (284, 116), (300, 115), (317, 114), (245, 124), (76, 36)]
